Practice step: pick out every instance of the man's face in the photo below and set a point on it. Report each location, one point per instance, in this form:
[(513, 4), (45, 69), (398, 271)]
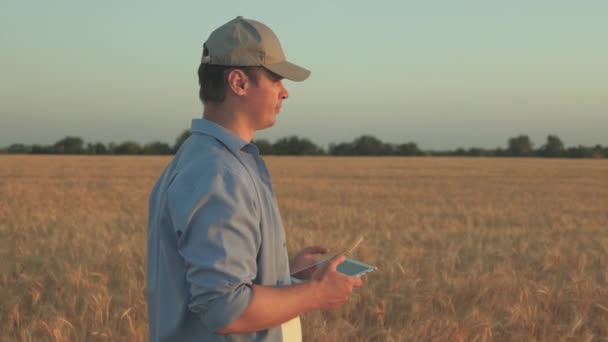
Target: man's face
[(264, 98)]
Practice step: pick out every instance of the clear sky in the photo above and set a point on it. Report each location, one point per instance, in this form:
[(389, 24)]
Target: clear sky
[(444, 74)]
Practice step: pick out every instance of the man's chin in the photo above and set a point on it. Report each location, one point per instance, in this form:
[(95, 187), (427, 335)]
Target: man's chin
[(267, 125)]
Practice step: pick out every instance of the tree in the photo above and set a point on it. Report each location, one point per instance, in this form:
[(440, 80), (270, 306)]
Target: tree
[(598, 152), (407, 149), (97, 148), (520, 146), (459, 152), (180, 140), (579, 151), (157, 147), (69, 145), (18, 148), (499, 152), (128, 147), (367, 145), (294, 145), (477, 152), (264, 146), (554, 147), (40, 149), (341, 149)]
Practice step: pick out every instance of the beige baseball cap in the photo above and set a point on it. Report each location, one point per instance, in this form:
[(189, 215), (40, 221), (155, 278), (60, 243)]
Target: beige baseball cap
[(246, 42)]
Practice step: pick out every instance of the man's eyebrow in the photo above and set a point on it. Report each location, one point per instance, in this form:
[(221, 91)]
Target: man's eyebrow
[(273, 76)]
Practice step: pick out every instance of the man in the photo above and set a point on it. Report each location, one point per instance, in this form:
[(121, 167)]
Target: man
[(217, 264)]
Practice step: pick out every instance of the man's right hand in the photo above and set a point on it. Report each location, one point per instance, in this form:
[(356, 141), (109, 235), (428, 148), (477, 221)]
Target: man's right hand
[(327, 289), (333, 287)]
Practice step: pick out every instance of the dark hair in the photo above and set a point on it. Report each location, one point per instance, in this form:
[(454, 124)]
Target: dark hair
[(213, 80)]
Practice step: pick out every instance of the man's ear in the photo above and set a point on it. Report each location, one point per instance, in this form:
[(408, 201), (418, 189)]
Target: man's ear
[(238, 82)]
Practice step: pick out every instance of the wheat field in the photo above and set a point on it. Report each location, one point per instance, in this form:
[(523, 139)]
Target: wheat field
[(468, 249)]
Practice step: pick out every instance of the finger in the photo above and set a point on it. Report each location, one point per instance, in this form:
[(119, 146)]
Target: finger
[(357, 282), (315, 250), (337, 260), (316, 273)]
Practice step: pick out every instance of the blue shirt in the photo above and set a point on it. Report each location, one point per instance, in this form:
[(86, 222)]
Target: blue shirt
[(214, 230)]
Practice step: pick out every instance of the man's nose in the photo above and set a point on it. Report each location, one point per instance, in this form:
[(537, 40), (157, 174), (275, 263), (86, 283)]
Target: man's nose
[(284, 92)]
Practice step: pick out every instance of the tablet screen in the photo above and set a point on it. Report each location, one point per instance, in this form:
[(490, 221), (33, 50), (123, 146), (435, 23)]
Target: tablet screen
[(354, 268)]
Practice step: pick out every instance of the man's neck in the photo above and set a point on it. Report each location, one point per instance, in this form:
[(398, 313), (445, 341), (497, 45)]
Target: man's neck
[(231, 120)]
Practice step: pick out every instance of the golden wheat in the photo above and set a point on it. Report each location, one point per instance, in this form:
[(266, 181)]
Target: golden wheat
[(468, 249)]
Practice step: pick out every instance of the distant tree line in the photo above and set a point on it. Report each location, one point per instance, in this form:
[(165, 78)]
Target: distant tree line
[(365, 145)]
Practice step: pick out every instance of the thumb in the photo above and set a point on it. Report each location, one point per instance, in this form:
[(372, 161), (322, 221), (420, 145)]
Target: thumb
[(337, 260), (315, 250)]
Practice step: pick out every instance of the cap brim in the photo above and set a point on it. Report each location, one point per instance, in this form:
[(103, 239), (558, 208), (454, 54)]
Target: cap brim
[(289, 71)]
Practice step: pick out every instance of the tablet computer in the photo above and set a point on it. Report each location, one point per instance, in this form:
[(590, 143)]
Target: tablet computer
[(327, 258), (355, 268), (350, 267)]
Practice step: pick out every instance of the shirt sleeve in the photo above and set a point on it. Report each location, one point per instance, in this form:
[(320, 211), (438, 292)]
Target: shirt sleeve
[(215, 217)]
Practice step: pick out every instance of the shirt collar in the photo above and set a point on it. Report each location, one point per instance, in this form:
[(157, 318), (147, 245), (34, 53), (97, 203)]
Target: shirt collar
[(207, 127)]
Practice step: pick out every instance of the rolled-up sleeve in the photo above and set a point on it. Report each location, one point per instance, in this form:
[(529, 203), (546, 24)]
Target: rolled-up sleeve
[(218, 227)]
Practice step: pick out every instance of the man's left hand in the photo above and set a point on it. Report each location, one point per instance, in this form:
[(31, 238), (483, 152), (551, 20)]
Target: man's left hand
[(307, 256)]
